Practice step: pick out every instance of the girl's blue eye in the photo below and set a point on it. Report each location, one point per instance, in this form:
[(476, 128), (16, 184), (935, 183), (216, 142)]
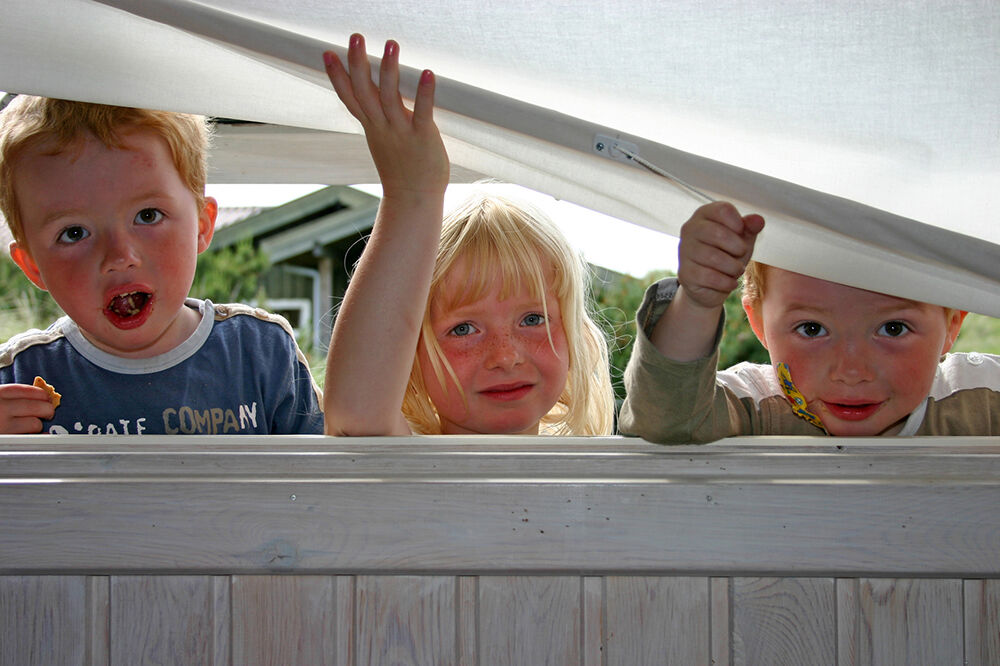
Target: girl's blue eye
[(73, 234), (463, 329), (893, 329), (148, 216), (534, 319), (810, 329)]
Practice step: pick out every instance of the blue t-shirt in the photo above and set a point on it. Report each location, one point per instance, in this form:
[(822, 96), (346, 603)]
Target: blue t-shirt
[(240, 372)]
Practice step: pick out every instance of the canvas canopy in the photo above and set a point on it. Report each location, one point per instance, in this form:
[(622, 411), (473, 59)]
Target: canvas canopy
[(866, 132)]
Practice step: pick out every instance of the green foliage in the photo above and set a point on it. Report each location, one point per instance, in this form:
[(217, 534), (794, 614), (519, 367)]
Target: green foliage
[(22, 304), (617, 302), (738, 340), (979, 333), (231, 274)]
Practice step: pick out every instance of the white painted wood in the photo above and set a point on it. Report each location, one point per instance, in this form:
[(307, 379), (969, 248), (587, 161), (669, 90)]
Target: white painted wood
[(657, 620), (848, 621), (494, 550), (98, 633), (720, 626), (222, 620), (345, 620), (466, 619), (603, 506), (287, 620), (43, 619), (982, 622), (162, 619), (594, 635), (529, 620), (784, 621), (915, 622), (406, 620)]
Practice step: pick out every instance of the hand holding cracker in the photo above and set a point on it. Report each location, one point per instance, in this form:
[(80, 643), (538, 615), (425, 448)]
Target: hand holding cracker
[(23, 407), (54, 398)]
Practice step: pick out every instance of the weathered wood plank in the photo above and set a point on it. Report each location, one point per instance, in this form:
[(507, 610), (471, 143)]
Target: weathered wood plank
[(594, 635), (721, 650), (43, 620), (222, 620), (602, 507), (284, 620), (657, 620), (982, 622), (848, 621), (162, 620), (784, 621), (467, 606), (910, 622), (245, 527), (404, 620), (529, 620), (98, 636)]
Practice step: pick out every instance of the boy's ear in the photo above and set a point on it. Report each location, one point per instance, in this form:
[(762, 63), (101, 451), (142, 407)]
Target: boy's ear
[(954, 327), (206, 223), (27, 265), (755, 319)]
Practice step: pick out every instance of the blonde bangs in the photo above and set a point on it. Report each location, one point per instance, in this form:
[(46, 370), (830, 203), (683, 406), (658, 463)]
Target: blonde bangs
[(488, 238)]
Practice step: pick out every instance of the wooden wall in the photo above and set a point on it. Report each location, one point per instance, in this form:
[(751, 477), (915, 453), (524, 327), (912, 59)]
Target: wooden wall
[(598, 552)]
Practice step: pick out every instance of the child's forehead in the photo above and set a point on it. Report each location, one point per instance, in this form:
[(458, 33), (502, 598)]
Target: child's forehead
[(787, 289)]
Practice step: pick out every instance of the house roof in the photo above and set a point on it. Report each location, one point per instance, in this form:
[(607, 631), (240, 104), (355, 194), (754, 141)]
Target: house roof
[(299, 226)]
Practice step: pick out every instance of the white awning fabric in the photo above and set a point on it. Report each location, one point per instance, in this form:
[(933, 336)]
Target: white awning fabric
[(867, 132)]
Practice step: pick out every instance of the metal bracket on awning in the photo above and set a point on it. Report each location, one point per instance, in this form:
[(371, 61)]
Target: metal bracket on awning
[(625, 151)]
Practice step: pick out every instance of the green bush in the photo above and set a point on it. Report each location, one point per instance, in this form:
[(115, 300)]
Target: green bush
[(616, 303)]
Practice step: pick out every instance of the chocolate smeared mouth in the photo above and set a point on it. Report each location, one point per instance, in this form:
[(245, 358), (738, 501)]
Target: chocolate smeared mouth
[(128, 305)]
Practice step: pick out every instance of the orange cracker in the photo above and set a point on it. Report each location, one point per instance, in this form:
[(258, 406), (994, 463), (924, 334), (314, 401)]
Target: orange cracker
[(54, 398)]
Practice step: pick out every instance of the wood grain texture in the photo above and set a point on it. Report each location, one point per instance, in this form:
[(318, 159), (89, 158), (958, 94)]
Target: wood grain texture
[(849, 627), (784, 621), (657, 620), (721, 650), (467, 621), (982, 622), (162, 620), (43, 619), (498, 550), (406, 620), (529, 620), (910, 622), (594, 620), (284, 620)]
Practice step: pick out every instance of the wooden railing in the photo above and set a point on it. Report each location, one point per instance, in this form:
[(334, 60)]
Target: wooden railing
[(494, 550)]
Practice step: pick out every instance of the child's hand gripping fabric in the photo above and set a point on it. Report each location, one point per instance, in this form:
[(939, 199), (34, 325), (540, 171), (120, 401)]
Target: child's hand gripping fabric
[(378, 325), (715, 248)]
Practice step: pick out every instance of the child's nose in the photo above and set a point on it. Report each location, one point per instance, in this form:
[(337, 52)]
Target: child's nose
[(503, 351), (119, 253), (852, 363)]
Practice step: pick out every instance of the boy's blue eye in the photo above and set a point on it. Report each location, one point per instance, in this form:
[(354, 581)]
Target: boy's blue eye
[(72, 235), (893, 329), (534, 319), (810, 329), (148, 216), (463, 329)]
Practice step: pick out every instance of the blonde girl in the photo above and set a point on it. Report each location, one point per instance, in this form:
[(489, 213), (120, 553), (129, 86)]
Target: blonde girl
[(478, 325)]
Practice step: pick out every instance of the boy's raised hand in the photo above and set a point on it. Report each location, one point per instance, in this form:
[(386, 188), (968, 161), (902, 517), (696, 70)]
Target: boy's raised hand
[(406, 145), (715, 248), (22, 409)]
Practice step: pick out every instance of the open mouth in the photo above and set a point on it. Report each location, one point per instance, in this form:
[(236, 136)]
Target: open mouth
[(126, 310)]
